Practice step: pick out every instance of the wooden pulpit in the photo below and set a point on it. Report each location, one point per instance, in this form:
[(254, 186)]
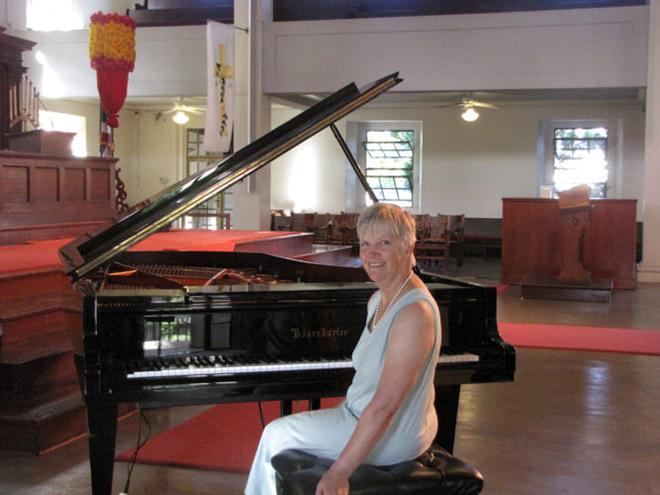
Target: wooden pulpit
[(575, 219)]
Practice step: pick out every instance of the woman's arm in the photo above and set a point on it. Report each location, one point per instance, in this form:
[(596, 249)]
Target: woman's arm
[(410, 341)]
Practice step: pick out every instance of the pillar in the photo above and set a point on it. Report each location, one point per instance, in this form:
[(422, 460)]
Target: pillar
[(252, 112), (649, 270)]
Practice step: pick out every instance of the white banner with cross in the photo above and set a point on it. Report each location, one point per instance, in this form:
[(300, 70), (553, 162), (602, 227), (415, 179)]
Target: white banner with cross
[(219, 87)]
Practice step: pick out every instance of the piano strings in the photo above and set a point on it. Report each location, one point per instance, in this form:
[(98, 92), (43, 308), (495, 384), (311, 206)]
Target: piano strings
[(120, 276)]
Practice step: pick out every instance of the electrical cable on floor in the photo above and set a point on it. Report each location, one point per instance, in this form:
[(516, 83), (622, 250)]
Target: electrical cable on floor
[(139, 444), (261, 415)]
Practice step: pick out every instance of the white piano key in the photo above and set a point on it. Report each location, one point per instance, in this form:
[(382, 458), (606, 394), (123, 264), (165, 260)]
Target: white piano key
[(237, 369)]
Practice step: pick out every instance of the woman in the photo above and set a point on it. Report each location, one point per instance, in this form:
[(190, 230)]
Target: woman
[(388, 415)]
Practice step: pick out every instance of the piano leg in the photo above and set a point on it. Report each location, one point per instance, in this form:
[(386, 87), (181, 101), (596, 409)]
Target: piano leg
[(102, 427), (286, 407), (446, 406)]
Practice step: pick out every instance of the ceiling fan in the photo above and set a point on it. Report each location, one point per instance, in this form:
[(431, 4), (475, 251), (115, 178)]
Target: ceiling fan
[(182, 112), (469, 106)]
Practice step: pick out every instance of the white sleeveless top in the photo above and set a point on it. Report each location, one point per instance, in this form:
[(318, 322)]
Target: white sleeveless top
[(414, 426)]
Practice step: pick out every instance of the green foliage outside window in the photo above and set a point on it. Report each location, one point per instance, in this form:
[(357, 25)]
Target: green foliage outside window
[(389, 165), (580, 157)]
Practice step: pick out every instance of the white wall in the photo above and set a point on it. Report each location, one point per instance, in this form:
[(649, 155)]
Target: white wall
[(169, 61), (603, 47), (310, 177), (12, 14), (466, 167), (88, 110), (151, 151)]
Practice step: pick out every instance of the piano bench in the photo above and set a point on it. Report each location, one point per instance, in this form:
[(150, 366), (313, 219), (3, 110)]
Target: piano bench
[(435, 472)]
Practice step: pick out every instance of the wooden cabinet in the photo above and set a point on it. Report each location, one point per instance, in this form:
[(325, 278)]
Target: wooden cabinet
[(531, 238)]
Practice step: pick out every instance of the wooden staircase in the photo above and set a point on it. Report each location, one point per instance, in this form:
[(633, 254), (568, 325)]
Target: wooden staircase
[(40, 401)]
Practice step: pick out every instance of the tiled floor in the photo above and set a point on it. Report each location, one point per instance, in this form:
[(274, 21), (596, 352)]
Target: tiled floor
[(572, 422)]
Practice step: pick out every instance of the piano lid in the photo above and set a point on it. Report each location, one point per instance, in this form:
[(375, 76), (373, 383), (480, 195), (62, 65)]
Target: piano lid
[(87, 253)]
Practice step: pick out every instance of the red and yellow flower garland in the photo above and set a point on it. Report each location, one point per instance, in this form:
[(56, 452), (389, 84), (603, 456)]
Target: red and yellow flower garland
[(112, 42)]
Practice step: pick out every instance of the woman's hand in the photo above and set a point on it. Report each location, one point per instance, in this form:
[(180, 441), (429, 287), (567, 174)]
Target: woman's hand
[(332, 483)]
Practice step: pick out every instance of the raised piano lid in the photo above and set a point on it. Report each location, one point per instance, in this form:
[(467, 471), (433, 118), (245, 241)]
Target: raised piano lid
[(89, 252)]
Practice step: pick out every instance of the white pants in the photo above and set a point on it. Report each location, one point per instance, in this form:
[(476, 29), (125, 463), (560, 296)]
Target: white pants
[(322, 433)]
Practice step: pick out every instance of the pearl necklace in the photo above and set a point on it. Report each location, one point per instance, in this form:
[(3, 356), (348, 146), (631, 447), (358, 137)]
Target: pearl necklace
[(389, 306)]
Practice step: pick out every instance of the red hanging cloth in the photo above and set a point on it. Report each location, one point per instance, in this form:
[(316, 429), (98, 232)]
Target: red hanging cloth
[(112, 54), (112, 85)]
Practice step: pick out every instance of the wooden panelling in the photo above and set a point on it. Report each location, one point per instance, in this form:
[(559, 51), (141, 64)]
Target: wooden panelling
[(531, 238), (53, 196), (17, 235), (74, 185), (42, 281), (45, 184), (15, 184), (99, 185)]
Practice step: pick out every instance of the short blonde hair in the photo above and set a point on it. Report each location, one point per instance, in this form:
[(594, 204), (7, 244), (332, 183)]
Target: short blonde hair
[(396, 219)]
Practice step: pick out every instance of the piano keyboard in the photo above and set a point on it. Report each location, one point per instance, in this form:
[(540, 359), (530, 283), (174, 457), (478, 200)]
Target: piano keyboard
[(210, 366)]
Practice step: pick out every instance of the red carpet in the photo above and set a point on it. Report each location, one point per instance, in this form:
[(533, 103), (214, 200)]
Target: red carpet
[(223, 438), (581, 338)]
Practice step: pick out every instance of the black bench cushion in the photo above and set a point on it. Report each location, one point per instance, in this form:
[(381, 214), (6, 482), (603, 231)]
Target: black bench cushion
[(436, 472)]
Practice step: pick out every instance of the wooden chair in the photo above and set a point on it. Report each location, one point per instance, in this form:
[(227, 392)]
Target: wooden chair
[(344, 229), (303, 222), (279, 220), (433, 245), (322, 227), (441, 237), (455, 225), (420, 220)]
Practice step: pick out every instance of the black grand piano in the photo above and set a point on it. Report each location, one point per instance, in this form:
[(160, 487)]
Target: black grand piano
[(180, 328)]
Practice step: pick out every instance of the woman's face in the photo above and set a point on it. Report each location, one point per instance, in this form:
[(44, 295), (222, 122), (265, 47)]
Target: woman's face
[(385, 257)]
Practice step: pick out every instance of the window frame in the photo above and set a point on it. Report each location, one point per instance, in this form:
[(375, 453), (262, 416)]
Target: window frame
[(584, 141), (545, 151), (224, 200), (356, 134), (407, 173)]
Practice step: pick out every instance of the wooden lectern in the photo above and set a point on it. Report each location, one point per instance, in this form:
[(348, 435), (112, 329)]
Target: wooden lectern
[(532, 241), (575, 219)]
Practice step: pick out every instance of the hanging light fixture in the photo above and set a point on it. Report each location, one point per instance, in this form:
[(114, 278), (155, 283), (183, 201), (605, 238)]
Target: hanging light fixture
[(180, 117), (470, 114)]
